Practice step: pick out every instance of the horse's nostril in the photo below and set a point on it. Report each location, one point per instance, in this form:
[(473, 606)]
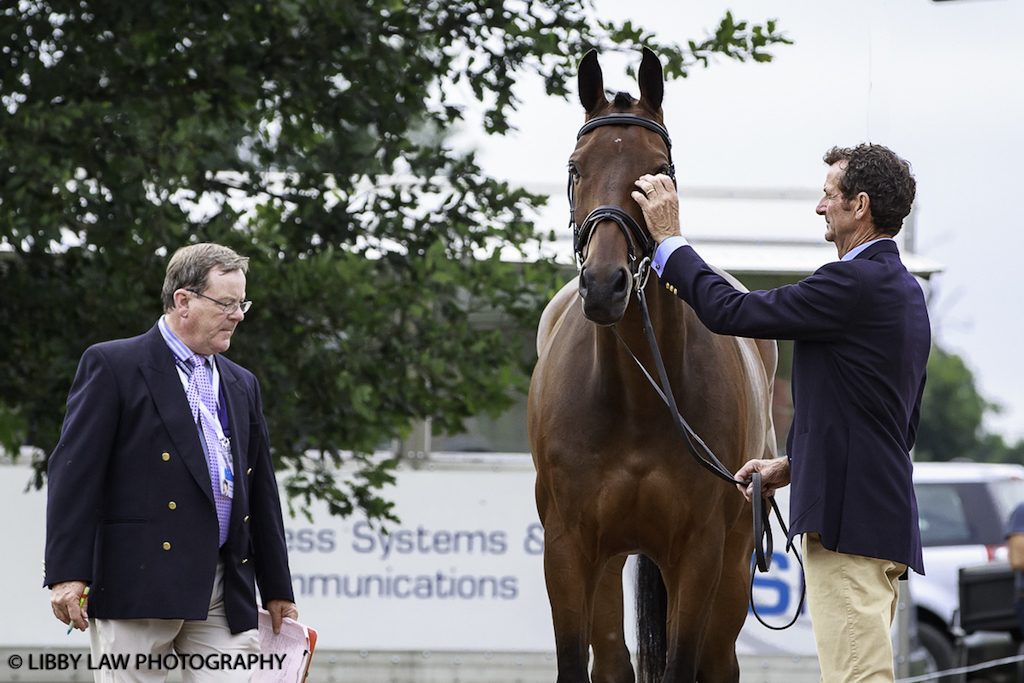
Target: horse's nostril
[(622, 282)]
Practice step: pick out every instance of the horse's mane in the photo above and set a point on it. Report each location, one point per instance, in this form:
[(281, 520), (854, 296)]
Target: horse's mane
[(623, 101)]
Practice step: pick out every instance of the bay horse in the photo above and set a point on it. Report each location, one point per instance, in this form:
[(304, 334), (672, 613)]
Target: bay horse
[(613, 476)]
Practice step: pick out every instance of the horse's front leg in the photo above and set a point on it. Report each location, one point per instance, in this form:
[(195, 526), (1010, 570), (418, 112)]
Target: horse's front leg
[(691, 583), (611, 656), (718, 663), (571, 575)]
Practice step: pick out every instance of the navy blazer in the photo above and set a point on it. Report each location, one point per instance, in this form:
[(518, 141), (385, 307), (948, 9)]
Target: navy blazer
[(130, 506), (862, 339)]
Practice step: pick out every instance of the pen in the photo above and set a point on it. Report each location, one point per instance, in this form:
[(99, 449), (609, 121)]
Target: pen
[(81, 604)]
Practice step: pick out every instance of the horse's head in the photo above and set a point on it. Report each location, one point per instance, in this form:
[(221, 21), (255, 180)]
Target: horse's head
[(621, 140)]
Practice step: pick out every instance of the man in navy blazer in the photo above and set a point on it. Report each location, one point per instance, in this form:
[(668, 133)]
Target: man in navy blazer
[(167, 520), (861, 342)]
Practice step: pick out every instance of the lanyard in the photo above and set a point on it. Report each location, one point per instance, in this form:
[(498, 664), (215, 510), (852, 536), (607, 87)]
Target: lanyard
[(219, 422), (225, 467)]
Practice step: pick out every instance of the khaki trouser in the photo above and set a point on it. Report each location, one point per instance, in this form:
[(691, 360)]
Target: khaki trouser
[(155, 645), (852, 602)]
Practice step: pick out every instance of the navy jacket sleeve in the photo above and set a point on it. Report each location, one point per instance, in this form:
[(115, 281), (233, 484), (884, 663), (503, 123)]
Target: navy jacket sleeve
[(77, 471), (818, 308)]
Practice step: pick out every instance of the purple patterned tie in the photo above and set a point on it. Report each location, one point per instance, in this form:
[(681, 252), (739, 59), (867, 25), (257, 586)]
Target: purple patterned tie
[(200, 389)]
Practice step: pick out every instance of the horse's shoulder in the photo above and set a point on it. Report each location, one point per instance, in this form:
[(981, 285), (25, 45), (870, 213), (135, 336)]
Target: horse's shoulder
[(761, 357), (554, 313), (729, 277), (767, 348)]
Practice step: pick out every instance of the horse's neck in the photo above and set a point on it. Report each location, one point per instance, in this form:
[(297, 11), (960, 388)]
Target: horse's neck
[(668, 316)]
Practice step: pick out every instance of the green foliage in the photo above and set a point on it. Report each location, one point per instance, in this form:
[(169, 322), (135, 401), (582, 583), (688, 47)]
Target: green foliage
[(952, 415), (310, 136), (732, 39)]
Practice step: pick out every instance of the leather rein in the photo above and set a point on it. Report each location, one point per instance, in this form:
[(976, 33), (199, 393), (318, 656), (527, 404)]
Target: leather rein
[(640, 268)]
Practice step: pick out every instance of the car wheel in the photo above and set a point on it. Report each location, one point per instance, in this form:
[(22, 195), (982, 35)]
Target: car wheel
[(941, 653)]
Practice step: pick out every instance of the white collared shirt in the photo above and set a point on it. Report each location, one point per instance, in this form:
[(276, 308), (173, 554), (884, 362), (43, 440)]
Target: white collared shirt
[(182, 354)]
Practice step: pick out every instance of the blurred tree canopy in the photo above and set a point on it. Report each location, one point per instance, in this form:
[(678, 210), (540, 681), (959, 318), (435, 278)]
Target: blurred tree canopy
[(309, 135), (952, 415)]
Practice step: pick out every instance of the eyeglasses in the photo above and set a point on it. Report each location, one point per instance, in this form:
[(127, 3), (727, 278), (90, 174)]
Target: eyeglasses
[(230, 308)]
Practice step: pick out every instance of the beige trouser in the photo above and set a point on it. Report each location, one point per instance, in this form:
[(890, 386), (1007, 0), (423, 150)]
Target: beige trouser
[(150, 648), (852, 601)]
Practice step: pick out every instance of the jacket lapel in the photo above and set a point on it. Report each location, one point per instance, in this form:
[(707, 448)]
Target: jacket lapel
[(238, 422), (169, 397)]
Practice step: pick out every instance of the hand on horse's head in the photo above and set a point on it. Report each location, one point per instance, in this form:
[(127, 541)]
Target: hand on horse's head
[(658, 200)]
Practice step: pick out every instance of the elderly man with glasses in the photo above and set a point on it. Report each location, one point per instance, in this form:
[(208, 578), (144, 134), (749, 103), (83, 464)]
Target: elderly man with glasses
[(163, 510)]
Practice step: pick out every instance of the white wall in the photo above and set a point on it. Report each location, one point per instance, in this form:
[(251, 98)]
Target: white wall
[(463, 571)]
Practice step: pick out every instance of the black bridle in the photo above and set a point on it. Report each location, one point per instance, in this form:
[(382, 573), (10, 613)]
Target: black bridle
[(640, 268), (636, 236)]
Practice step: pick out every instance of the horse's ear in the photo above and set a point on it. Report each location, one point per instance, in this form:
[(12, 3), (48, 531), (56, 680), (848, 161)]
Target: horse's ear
[(591, 82), (652, 81)]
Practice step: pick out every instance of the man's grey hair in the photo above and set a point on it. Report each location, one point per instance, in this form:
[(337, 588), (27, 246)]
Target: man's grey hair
[(190, 268)]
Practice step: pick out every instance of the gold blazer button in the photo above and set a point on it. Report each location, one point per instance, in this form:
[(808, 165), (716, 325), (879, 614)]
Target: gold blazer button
[(167, 546), (166, 456), (172, 505)]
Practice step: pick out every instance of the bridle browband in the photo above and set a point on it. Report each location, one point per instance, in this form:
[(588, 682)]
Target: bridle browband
[(635, 235)]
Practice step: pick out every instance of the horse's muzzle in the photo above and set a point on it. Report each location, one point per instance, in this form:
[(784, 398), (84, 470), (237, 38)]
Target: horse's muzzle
[(605, 294)]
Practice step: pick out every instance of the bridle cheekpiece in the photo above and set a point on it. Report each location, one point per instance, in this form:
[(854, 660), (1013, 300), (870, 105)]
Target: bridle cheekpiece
[(635, 235)]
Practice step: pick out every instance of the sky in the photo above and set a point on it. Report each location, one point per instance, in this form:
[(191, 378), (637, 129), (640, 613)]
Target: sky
[(940, 83)]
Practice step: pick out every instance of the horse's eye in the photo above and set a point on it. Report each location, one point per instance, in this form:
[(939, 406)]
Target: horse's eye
[(574, 170)]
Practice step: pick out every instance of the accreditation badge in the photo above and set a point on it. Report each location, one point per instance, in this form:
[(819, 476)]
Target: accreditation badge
[(226, 468)]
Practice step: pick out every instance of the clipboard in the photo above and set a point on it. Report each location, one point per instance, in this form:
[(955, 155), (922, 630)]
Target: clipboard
[(291, 650)]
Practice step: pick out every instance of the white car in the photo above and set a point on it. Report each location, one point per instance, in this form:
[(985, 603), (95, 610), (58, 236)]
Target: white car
[(963, 508)]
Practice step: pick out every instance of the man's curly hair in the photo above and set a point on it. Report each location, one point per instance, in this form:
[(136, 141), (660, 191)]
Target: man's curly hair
[(886, 178)]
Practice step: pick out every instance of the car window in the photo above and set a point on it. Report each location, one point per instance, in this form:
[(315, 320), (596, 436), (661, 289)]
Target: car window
[(1008, 494), (941, 515), (966, 513)]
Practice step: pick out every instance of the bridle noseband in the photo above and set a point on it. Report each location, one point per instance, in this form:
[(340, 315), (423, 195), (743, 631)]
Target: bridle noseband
[(635, 235)]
